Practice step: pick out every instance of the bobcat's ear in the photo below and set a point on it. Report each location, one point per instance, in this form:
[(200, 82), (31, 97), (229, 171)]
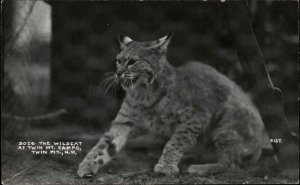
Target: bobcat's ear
[(162, 43), (124, 41)]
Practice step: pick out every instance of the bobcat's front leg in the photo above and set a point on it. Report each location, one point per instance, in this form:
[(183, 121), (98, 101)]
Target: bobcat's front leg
[(184, 137), (173, 152), (110, 143)]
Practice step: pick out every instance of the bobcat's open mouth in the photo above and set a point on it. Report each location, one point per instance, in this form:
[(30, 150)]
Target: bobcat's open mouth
[(128, 83), (135, 79)]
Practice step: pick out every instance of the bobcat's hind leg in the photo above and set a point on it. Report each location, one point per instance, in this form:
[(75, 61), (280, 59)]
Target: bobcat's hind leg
[(110, 143), (224, 162), (206, 169), (229, 147)]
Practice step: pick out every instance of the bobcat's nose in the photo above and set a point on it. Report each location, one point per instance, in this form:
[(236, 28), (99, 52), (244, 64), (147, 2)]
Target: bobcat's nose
[(119, 74)]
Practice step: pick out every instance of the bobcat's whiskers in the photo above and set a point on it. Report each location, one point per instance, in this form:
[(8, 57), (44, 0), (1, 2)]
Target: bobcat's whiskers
[(110, 80)]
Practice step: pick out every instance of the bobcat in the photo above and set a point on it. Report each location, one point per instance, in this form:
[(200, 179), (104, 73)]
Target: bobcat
[(182, 103)]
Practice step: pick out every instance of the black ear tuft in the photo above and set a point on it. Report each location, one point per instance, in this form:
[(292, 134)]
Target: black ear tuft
[(162, 43), (121, 38), (166, 38), (169, 36)]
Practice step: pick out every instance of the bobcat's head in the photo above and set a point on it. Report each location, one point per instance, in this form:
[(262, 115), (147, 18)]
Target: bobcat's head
[(140, 63)]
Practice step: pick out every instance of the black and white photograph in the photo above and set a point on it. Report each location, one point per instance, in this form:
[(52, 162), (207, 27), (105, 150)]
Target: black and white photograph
[(149, 92)]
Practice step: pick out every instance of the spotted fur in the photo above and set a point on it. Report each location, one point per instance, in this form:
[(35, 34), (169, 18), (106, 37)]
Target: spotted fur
[(182, 103)]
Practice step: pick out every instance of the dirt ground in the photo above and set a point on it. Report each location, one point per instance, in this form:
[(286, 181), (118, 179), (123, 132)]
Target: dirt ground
[(134, 165)]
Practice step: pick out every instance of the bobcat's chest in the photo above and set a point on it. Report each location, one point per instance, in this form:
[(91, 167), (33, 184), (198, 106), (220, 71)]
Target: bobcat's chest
[(162, 119)]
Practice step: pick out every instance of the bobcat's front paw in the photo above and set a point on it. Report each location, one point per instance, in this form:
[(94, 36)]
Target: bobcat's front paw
[(167, 169), (88, 168)]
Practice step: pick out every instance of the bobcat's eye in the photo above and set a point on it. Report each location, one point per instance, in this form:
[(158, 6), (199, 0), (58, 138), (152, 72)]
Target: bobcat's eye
[(131, 62), (118, 62)]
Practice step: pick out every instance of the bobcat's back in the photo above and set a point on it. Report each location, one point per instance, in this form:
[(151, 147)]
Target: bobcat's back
[(205, 86)]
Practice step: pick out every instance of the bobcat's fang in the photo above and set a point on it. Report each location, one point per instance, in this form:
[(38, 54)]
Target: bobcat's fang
[(152, 80)]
